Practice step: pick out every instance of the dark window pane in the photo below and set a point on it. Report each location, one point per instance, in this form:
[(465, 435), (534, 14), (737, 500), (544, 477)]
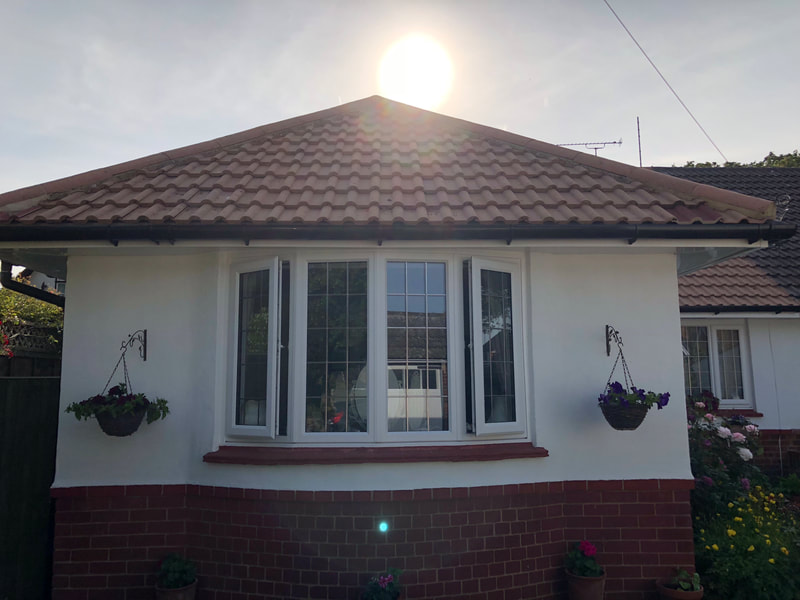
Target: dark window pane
[(437, 316), (315, 379), (337, 278), (357, 311), (317, 345), (317, 311), (396, 343), (253, 330), (357, 275), (317, 278), (337, 311), (337, 345), (357, 345), (437, 344), (417, 343)]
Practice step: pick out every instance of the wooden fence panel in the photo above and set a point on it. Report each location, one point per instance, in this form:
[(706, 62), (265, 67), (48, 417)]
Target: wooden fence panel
[(28, 432)]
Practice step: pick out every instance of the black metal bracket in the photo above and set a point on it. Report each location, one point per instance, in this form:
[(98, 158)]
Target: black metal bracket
[(612, 335), (139, 336)]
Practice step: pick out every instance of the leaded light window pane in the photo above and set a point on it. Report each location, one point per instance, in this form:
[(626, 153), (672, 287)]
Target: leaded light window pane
[(497, 347), (336, 342), (696, 359), (253, 331), (417, 346), (730, 364)]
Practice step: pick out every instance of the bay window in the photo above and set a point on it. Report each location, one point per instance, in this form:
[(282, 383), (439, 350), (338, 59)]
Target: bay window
[(383, 348)]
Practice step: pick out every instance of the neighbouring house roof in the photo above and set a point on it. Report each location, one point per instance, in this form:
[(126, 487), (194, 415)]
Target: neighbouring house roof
[(765, 280)]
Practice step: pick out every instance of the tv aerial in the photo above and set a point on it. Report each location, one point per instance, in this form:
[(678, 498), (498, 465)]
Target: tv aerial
[(594, 145)]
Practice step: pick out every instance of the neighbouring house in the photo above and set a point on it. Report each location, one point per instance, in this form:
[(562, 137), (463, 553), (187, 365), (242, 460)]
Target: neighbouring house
[(374, 315), (741, 320)]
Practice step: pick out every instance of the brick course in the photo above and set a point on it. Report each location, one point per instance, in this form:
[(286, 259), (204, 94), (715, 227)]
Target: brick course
[(500, 542)]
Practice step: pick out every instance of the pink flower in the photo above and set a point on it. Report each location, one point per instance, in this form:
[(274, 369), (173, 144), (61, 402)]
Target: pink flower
[(587, 548), (724, 433), (738, 438), (709, 416), (750, 428), (700, 404)]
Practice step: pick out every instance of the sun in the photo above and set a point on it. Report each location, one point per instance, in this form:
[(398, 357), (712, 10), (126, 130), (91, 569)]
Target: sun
[(416, 70)]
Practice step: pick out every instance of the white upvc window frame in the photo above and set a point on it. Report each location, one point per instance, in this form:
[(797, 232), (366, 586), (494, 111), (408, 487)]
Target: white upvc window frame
[(377, 361), (517, 426), (714, 326), (269, 429)]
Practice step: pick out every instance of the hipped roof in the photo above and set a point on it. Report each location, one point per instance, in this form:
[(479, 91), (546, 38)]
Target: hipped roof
[(764, 280), (371, 163)]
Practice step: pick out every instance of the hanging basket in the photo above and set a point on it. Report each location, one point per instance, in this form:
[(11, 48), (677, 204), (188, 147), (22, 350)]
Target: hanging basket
[(122, 425), (624, 418)]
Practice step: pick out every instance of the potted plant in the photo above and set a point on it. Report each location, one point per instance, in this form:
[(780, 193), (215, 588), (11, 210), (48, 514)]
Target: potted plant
[(118, 412), (626, 409), (383, 587), (585, 577), (176, 578), (682, 586)]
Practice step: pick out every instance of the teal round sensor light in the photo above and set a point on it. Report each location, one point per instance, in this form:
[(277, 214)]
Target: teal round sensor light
[(383, 527)]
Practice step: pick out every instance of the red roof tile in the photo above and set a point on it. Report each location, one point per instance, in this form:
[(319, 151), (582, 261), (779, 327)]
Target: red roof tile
[(377, 162)]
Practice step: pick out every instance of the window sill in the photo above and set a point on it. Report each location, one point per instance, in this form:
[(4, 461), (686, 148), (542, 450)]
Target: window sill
[(732, 412), (248, 455)]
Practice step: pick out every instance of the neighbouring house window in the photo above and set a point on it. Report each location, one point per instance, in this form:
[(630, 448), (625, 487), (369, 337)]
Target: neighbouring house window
[(380, 344), (715, 359)]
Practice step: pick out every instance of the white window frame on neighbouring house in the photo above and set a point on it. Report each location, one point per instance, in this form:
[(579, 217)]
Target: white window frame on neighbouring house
[(718, 365), (465, 418)]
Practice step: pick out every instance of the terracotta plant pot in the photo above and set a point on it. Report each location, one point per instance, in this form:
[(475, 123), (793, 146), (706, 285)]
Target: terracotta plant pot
[(123, 425), (671, 593), (184, 593), (586, 588)]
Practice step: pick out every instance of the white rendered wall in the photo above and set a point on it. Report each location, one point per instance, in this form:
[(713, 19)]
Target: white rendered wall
[(775, 354), (572, 297)]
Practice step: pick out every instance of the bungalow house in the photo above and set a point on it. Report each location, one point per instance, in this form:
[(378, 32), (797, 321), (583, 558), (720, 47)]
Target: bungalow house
[(741, 320), (382, 334)]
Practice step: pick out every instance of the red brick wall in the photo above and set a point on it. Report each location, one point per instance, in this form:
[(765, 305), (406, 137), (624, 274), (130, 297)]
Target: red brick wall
[(781, 451), (502, 542)]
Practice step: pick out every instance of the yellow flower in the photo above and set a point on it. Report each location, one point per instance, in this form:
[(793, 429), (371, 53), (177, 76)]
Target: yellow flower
[(730, 504), (714, 547), (738, 519), (731, 546), (769, 542), (702, 531), (780, 495), (785, 551), (772, 561), (751, 548), (766, 509), (731, 532)]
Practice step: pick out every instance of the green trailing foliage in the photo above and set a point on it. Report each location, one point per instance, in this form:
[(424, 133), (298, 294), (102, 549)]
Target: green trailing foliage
[(175, 571), (19, 309)]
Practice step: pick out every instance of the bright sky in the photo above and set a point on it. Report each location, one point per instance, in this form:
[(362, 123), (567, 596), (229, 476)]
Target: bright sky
[(89, 83)]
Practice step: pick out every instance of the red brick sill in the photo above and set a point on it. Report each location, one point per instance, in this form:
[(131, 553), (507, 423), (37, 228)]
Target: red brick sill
[(265, 455), (732, 412)]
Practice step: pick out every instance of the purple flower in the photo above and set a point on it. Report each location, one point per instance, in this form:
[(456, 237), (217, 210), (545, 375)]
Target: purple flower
[(707, 480), (617, 388), (603, 398), (745, 484), (663, 400)]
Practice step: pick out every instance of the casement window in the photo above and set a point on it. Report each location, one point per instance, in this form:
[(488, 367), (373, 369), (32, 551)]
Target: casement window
[(383, 348), (716, 358)]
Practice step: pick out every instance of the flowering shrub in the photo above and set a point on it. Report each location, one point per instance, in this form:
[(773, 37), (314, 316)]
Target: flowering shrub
[(119, 402), (721, 452), (747, 541), (617, 395), (383, 587), (581, 560), (751, 549)]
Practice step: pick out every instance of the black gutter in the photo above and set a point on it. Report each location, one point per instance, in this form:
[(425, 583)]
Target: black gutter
[(114, 233), (731, 309), (7, 281)]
